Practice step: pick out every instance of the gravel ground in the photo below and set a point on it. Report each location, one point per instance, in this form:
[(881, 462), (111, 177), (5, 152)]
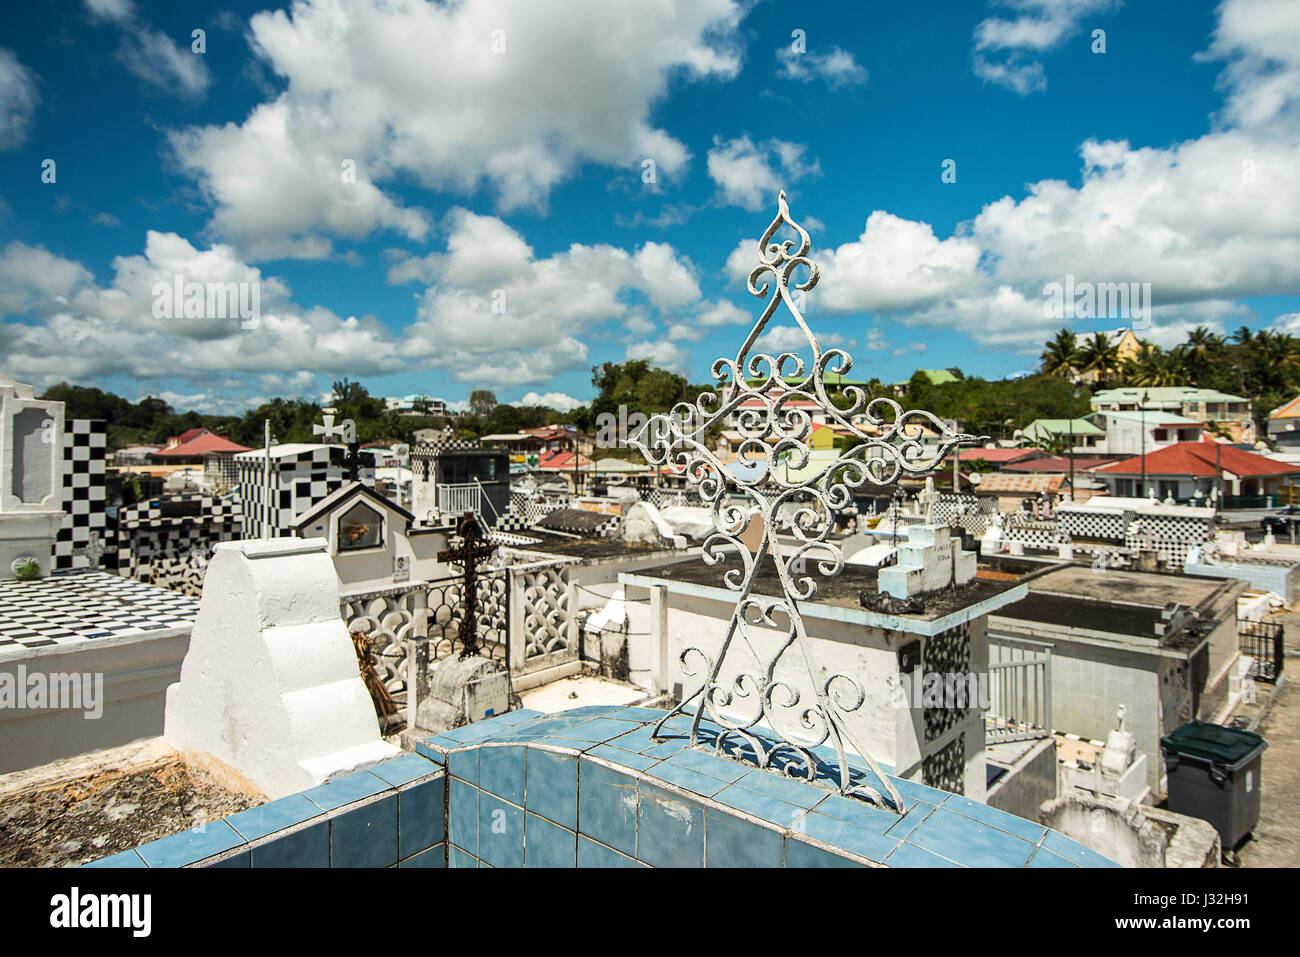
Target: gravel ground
[(75, 821)]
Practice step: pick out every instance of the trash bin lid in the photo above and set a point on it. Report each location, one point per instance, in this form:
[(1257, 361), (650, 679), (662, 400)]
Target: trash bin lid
[(1214, 742)]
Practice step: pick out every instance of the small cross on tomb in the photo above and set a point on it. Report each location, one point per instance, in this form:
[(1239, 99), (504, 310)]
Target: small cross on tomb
[(93, 549), (345, 430), (472, 550)]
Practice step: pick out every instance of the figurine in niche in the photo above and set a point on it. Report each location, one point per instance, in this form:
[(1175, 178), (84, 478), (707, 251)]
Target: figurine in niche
[(355, 532)]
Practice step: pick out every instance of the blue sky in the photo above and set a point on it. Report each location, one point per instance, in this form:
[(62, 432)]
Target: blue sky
[(507, 167)]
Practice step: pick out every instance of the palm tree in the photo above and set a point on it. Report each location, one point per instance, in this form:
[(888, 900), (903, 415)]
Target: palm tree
[(1200, 351), (1061, 357), (1101, 356), (1152, 366)]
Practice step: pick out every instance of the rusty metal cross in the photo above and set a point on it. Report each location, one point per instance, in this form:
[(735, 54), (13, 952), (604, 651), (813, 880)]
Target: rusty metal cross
[(469, 553)]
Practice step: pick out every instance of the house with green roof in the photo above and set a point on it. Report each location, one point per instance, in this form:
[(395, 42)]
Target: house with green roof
[(936, 377), (1087, 437), (834, 381), (1231, 413)]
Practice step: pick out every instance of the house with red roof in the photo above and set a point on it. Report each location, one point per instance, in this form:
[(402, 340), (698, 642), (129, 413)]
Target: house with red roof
[(1191, 469), (1000, 457), (214, 452)]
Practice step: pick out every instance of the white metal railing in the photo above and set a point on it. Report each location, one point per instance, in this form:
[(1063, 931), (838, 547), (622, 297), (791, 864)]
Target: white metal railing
[(484, 497), (459, 499), (1020, 691)]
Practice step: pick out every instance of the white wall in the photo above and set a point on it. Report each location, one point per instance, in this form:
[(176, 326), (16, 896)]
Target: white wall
[(892, 734), (135, 670)]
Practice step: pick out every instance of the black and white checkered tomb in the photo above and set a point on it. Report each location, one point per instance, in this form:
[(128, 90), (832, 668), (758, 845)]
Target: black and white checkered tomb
[(84, 498), (299, 480)]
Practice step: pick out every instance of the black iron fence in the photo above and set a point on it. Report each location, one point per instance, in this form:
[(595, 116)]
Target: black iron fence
[(1265, 642)]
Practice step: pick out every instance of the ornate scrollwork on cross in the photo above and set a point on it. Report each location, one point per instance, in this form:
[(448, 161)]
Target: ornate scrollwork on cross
[(770, 395)]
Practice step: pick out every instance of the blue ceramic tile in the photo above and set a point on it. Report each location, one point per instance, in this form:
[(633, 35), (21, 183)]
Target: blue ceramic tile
[(995, 818), (421, 818), (629, 759), (123, 859), (520, 716), (760, 805), (682, 722), (909, 855), (434, 857), (190, 846), (783, 789), (1045, 858), (670, 829), (911, 791), (458, 858), (345, 790), (592, 854), (365, 836), (237, 862), (309, 847), (905, 825), (688, 779), (724, 769), (547, 844), (970, 842), (500, 832), (607, 803), (464, 764), (573, 744), (1074, 852), (799, 854), (589, 711), (404, 770), (548, 726), (733, 842), (276, 816), (436, 746), (637, 740), (501, 772), (666, 749), (601, 729), (637, 713), (859, 813), (454, 736), (462, 815), (551, 786), (491, 729), (830, 830)]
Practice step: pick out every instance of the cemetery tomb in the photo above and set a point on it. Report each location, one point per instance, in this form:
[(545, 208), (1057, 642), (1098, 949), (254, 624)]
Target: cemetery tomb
[(592, 787)]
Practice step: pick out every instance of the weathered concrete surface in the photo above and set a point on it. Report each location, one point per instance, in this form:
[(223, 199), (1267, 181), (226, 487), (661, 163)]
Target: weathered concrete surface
[(1276, 840)]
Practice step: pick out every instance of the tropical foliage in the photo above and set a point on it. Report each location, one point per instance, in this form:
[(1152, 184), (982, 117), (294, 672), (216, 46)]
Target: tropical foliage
[(1261, 365)]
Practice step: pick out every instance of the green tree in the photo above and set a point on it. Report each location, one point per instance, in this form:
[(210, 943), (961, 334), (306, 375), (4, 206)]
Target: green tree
[(1062, 356), (482, 402), (1101, 356)]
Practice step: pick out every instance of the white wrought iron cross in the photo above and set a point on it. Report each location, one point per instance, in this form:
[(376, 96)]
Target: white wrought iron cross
[(756, 707), (345, 430)]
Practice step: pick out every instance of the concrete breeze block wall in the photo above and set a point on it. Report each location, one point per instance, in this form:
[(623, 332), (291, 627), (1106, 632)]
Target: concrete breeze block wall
[(590, 788)]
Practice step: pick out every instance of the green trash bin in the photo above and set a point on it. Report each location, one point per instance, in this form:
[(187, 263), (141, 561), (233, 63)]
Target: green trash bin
[(1214, 774)]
